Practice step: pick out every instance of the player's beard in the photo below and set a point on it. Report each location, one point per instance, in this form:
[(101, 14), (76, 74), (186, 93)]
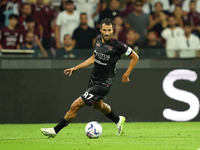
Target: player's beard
[(107, 38)]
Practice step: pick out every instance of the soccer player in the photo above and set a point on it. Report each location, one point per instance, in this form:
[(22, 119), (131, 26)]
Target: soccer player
[(106, 54)]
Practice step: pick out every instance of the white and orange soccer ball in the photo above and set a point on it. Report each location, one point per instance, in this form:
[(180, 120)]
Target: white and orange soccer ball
[(93, 130)]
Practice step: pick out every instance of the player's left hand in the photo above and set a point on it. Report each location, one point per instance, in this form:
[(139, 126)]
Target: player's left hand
[(125, 78)]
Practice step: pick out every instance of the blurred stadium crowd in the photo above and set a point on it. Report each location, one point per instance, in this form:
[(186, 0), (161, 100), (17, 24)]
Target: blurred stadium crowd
[(161, 28)]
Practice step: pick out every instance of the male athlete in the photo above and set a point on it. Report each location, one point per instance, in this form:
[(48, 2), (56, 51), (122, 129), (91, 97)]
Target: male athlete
[(106, 54)]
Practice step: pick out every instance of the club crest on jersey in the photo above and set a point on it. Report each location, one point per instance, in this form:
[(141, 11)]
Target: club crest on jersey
[(110, 48), (97, 45)]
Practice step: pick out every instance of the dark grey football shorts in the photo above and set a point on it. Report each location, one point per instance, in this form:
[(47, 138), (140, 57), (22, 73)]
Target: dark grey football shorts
[(95, 93)]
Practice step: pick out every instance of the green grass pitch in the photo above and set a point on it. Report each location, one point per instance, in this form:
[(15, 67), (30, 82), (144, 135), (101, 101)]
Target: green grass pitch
[(137, 136)]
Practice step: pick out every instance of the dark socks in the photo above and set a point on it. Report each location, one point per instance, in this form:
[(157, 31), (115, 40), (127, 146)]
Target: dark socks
[(113, 117), (63, 123)]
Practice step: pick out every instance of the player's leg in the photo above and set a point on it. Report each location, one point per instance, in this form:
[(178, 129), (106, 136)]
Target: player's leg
[(69, 116), (107, 111), (76, 105)]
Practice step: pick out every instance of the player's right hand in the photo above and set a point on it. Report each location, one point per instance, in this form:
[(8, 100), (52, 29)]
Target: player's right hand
[(70, 71)]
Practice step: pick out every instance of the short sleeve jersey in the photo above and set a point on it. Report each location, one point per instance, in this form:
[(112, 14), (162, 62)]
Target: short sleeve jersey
[(106, 57)]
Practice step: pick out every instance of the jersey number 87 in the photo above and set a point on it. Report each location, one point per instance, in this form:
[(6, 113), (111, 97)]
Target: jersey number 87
[(87, 95)]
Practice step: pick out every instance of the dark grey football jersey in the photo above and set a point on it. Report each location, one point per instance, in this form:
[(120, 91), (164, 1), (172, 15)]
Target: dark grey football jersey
[(106, 57)]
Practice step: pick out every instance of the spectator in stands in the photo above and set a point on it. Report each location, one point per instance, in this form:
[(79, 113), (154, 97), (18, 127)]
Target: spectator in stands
[(44, 15), (162, 24), (174, 4), (147, 7), (10, 7), (9, 36), (30, 25), (67, 50), (152, 41), (67, 21), (165, 4), (119, 29), (84, 37), (178, 13), (26, 11), (154, 17), (121, 2), (193, 17), (127, 9), (170, 34), (131, 40), (186, 6), (111, 11), (188, 44), (30, 45), (138, 21), (88, 7)]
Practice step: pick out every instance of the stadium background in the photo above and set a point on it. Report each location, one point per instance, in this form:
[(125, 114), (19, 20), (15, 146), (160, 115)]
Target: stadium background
[(43, 94)]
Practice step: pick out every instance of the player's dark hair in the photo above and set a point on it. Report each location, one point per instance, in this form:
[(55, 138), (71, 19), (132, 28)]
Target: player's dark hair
[(107, 21), (11, 16), (29, 19), (24, 4)]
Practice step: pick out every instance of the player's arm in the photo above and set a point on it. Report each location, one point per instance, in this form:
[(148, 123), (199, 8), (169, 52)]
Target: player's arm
[(93, 42), (134, 59), (86, 63)]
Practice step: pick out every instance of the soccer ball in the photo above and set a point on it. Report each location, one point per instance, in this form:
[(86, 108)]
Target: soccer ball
[(93, 130)]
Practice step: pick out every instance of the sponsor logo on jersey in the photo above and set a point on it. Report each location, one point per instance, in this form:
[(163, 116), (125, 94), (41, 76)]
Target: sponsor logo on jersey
[(99, 62), (101, 56)]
